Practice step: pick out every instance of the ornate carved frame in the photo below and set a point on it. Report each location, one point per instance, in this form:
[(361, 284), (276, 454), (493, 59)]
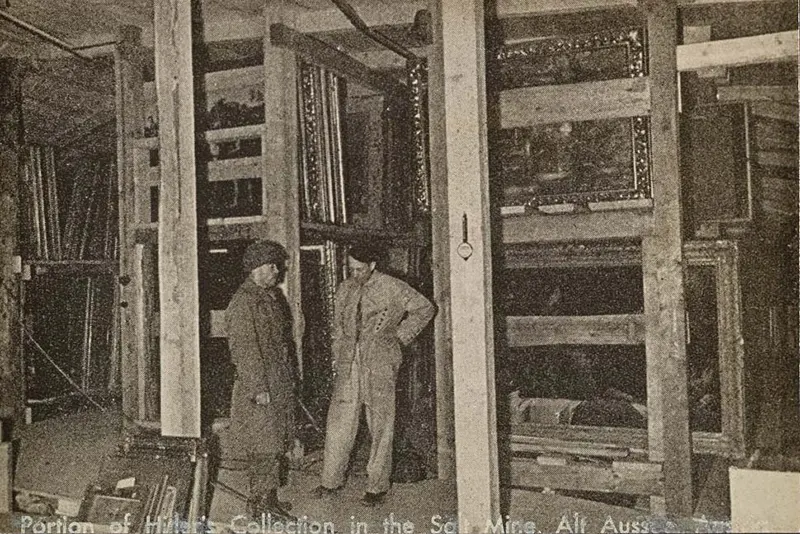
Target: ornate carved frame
[(723, 257), (632, 42)]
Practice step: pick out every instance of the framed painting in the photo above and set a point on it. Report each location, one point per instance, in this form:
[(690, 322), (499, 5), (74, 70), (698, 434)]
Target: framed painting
[(578, 161)]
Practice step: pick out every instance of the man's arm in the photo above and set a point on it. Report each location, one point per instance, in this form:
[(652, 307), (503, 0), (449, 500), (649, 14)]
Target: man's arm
[(419, 312)]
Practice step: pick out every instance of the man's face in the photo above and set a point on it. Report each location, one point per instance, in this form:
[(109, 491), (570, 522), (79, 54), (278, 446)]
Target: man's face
[(360, 271), (268, 275)]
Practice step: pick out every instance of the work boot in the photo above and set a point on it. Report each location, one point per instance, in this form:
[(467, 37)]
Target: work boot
[(277, 509), (373, 499), (321, 492)]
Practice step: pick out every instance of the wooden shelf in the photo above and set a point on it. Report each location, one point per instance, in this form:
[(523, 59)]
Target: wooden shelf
[(213, 136)]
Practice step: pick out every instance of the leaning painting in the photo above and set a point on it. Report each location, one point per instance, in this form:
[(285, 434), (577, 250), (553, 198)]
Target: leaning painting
[(576, 162)]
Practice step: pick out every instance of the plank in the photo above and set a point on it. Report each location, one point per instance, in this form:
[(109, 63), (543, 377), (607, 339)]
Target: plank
[(521, 8), (250, 131), (776, 158), (221, 170), (766, 48), (774, 135), (466, 148), (323, 55), (177, 227), (128, 70), (280, 186), (669, 439), (440, 253), (782, 94), (611, 99), (634, 440), (772, 110), (574, 227), (575, 330), (587, 477), (373, 14)]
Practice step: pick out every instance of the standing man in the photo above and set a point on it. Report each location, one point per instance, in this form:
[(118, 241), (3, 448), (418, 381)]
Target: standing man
[(262, 403), (374, 315)]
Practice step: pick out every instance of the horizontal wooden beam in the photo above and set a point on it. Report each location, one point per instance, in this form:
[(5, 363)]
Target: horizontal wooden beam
[(222, 170), (770, 135), (765, 48), (771, 110), (633, 439), (521, 8), (776, 158), (221, 229), (632, 478), (529, 106), (538, 444), (783, 94), (573, 227), (575, 330), (319, 53), (220, 135), (374, 14)]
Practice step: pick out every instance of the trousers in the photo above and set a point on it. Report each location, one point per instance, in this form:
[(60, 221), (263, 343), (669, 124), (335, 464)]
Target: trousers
[(342, 426)]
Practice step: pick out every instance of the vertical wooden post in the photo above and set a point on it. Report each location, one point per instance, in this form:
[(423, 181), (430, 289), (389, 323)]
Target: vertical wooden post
[(477, 479), (280, 184), (177, 222), (662, 264), (445, 430), (12, 401), (129, 84)]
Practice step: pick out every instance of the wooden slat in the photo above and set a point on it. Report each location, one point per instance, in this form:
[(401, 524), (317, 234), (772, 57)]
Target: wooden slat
[(374, 14), (477, 471), (772, 110), (782, 94), (529, 106), (440, 253), (581, 448), (669, 439), (575, 330), (765, 48), (222, 170), (323, 55), (521, 8), (128, 73), (252, 131), (588, 477), (773, 135), (138, 357), (573, 227), (634, 440), (776, 158), (177, 228)]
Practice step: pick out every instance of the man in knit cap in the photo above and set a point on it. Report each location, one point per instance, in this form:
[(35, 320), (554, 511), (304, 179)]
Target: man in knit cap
[(262, 403)]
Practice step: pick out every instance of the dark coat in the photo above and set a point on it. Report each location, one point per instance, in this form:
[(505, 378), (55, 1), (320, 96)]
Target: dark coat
[(259, 339)]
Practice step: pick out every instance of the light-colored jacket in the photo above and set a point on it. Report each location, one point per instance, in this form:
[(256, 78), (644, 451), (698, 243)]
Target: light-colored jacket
[(392, 314)]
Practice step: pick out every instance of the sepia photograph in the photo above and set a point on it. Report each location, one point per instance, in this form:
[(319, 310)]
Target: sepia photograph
[(399, 266)]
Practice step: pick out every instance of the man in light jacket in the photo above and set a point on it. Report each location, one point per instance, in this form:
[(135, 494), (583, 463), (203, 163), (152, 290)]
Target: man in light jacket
[(374, 315)]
